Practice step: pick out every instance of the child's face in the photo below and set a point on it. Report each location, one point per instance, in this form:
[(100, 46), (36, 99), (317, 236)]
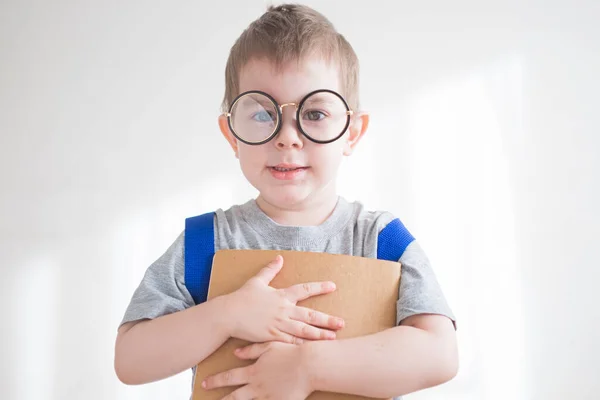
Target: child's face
[(315, 182)]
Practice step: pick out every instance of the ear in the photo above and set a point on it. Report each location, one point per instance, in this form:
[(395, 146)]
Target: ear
[(224, 127), (358, 127)]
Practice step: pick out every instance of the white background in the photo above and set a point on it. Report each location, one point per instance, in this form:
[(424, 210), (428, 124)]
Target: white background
[(484, 141)]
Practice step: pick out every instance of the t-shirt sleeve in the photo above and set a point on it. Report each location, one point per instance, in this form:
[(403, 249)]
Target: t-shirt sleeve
[(420, 292), (162, 289)]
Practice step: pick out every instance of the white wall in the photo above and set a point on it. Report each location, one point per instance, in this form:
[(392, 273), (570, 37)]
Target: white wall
[(484, 140)]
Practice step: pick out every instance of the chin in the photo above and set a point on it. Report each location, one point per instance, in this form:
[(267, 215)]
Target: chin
[(284, 197)]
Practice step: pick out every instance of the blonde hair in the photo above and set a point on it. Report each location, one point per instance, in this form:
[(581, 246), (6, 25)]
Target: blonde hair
[(292, 32)]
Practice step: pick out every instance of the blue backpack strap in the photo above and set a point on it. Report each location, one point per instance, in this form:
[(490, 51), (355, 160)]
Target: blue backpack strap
[(199, 252), (393, 240)]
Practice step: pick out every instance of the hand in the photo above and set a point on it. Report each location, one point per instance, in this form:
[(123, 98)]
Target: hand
[(263, 313), (279, 373)]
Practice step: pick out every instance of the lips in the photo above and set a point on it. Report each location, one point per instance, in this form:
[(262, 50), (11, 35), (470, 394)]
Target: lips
[(288, 172), (284, 167)]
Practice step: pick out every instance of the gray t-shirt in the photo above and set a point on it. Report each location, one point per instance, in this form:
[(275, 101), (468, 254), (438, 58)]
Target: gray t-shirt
[(349, 230)]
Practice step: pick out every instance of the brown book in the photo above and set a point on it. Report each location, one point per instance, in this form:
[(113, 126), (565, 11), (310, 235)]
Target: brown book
[(366, 295)]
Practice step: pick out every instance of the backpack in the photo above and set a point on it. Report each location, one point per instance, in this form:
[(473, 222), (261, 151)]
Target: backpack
[(200, 249)]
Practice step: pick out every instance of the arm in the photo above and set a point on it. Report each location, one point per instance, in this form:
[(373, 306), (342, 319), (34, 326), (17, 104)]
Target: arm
[(420, 353), (150, 350), (158, 348)]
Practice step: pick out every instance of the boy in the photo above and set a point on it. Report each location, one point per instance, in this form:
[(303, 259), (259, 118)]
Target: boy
[(290, 116)]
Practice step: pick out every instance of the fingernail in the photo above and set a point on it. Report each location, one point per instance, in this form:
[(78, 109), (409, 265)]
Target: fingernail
[(204, 384), (340, 323), (330, 335), (237, 350), (299, 341)]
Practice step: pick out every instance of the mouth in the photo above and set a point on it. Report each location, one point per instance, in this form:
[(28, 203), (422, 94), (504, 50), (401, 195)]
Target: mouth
[(288, 172), (287, 167)]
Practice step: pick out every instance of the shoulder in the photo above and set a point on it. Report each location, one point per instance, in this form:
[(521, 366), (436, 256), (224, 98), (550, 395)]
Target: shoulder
[(368, 219), (221, 217), (381, 231), (234, 214)]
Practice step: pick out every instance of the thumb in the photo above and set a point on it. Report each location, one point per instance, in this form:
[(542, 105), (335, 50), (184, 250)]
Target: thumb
[(271, 270)]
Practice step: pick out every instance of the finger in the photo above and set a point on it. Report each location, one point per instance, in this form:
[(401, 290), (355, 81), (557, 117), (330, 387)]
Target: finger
[(271, 270), (233, 377), (305, 331), (284, 337), (252, 351), (243, 393), (303, 291), (316, 318)]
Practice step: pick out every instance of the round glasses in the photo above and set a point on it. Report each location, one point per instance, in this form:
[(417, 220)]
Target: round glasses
[(322, 116)]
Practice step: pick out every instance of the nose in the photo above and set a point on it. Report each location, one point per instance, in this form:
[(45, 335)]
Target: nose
[(289, 136)]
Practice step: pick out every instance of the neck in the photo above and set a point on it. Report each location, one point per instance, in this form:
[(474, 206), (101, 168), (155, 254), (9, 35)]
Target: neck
[(309, 213)]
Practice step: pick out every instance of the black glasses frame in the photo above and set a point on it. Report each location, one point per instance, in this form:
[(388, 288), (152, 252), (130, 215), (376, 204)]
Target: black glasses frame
[(279, 109)]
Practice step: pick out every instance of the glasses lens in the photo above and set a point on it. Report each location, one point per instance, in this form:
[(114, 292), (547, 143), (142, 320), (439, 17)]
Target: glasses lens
[(323, 116), (254, 117)]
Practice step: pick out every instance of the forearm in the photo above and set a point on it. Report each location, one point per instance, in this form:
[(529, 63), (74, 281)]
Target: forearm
[(391, 363), (155, 349)]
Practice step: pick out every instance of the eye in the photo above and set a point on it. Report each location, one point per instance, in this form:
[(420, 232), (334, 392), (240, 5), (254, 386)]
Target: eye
[(263, 116), (314, 115)]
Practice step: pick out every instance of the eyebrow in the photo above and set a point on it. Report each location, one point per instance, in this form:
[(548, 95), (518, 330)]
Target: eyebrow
[(251, 101), (323, 98), (321, 102)]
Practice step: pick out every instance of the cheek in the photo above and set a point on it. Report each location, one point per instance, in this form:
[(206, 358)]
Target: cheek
[(251, 158), (327, 160)]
